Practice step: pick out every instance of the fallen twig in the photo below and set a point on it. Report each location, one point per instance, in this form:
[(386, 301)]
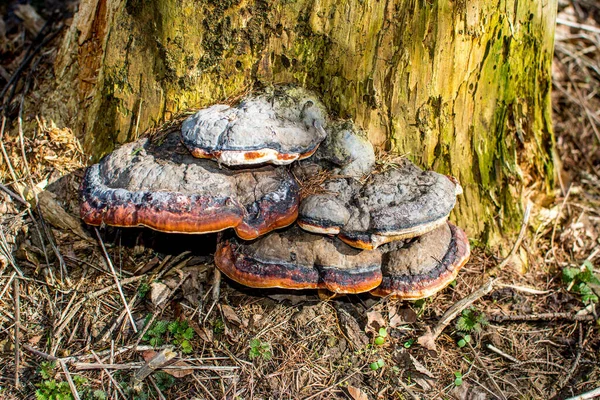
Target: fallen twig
[(216, 291), (159, 360), (17, 296), (541, 317), (40, 353), (571, 24), (503, 354), (587, 395), (114, 273), (69, 379), (137, 365), (428, 339), (486, 370), (117, 386)]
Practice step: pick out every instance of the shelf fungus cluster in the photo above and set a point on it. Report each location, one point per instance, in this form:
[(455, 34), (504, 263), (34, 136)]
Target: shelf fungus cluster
[(270, 161)]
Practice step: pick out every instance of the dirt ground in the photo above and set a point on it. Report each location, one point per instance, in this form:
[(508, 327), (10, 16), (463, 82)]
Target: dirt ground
[(531, 331)]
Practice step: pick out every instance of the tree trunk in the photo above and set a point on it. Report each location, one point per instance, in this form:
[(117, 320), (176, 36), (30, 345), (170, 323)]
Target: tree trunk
[(459, 86)]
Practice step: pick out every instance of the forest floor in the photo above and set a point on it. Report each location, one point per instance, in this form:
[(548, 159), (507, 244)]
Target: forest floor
[(530, 332)]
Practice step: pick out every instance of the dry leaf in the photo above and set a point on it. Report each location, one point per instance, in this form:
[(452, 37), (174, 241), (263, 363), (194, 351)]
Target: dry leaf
[(427, 340), (177, 373), (357, 394), (34, 340), (420, 368), (56, 215), (31, 19), (292, 298), (401, 316), (230, 315), (204, 333), (374, 321), (159, 292)]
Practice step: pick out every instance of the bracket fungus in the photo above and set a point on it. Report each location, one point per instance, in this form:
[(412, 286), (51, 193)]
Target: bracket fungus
[(161, 186), (278, 128), (295, 259), (346, 151), (393, 238), (424, 265), (396, 204)]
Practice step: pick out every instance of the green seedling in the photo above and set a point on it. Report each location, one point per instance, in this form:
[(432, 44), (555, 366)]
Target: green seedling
[(380, 339), (178, 333), (408, 343), (377, 364), (464, 340), (471, 320), (156, 332), (260, 349), (163, 380), (143, 290), (581, 281), (50, 389), (47, 368), (182, 334), (458, 378), (218, 326)]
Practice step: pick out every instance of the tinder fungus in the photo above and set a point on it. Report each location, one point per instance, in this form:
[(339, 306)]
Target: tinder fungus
[(399, 203), (295, 259), (346, 151), (161, 186), (277, 127), (422, 266)]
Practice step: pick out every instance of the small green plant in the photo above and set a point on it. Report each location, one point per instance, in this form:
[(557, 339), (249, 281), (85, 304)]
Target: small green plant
[(380, 339), (408, 343), (260, 349), (580, 281), (53, 390), (163, 380), (462, 342), (164, 331), (218, 326), (155, 334), (458, 378), (471, 320), (182, 334), (377, 364), (99, 395), (143, 290), (47, 368), (50, 389)]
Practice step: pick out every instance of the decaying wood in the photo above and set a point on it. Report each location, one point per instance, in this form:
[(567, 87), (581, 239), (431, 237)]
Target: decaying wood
[(445, 83), (159, 360)]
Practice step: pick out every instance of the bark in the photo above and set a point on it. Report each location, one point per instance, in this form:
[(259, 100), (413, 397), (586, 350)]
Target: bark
[(459, 86)]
